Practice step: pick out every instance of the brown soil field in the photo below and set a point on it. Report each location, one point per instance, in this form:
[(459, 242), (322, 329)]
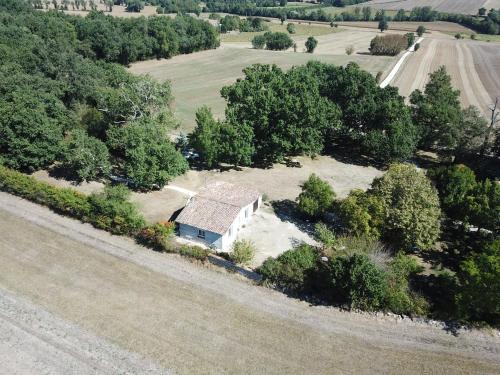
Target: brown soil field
[(191, 320), (449, 6), (412, 26), (474, 68)]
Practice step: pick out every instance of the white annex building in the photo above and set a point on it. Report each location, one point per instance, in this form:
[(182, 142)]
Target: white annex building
[(214, 216)]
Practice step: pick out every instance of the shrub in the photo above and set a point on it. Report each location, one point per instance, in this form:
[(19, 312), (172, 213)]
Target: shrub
[(63, 201), (316, 198), (349, 50), (291, 28), (357, 282), (473, 36), (389, 45), (458, 36), (311, 44), (111, 211), (400, 299), (277, 41), (157, 236), (291, 269), (411, 39), (378, 77), (242, 252), (259, 42), (195, 252), (417, 47), (420, 30)]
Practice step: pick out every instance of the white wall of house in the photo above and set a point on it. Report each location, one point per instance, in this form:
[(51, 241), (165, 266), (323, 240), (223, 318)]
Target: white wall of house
[(225, 241)]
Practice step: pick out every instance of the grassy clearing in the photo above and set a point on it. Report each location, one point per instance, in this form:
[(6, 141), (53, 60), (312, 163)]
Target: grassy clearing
[(197, 78), (301, 30), (337, 10)]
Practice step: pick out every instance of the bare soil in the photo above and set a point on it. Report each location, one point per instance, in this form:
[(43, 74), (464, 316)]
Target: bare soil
[(473, 65), (193, 320), (449, 6)]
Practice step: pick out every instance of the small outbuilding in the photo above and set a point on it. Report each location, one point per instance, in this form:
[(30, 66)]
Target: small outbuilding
[(214, 216)]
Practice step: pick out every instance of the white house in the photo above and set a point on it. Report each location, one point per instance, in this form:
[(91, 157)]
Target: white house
[(214, 216)]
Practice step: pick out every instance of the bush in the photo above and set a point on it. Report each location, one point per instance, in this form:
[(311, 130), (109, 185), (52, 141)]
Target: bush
[(291, 269), (420, 30), (63, 201), (311, 44), (277, 41), (388, 45), (458, 36), (473, 36), (111, 211), (291, 28), (157, 236), (417, 47), (357, 282), (242, 252), (316, 198), (411, 39), (378, 77), (195, 252), (349, 50), (259, 42), (400, 299)]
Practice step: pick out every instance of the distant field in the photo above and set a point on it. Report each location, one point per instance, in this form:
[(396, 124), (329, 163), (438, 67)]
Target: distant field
[(337, 10), (197, 78), (450, 6), (446, 27), (301, 30)]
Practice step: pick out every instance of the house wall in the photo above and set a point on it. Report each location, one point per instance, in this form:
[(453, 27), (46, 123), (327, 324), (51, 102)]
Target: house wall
[(221, 242), (191, 233)]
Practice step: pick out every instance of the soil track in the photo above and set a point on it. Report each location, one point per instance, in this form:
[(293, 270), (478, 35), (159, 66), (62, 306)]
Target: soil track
[(474, 68), (194, 320)]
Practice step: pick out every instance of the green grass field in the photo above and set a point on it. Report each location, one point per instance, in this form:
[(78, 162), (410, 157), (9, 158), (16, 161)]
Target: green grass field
[(301, 31), (197, 78), (337, 10)]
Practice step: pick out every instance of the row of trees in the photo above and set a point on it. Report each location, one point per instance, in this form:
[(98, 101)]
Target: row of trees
[(488, 23), (310, 109), (81, 116), (250, 24)]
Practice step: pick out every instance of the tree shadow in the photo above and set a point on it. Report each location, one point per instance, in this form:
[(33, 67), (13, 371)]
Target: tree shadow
[(349, 154), (61, 172), (286, 211)]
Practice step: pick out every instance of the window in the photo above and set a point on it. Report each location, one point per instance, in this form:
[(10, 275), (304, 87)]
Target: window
[(201, 233)]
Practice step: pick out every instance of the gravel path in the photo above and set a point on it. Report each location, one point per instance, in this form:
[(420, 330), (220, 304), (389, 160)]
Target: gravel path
[(193, 320)]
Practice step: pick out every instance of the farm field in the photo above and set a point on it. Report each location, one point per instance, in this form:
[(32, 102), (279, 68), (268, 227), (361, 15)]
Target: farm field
[(474, 67), (186, 319), (118, 11), (197, 78), (441, 26), (302, 30), (450, 6)]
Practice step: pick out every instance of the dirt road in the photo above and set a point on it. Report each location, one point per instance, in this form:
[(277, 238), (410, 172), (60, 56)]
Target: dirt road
[(473, 66), (194, 320)]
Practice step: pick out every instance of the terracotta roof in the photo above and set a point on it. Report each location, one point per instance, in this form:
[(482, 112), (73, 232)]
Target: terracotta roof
[(216, 207), (225, 192)]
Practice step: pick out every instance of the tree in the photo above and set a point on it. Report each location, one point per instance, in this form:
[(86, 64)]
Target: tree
[(134, 5), (383, 25), (149, 158), (205, 137), (278, 41), (311, 44), (31, 129), (472, 131), (479, 279), (437, 112), (482, 11), (242, 252), (316, 198), (87, 158), (411, 39), (290, 28), (411, 205), (420, 30), (362, 214)]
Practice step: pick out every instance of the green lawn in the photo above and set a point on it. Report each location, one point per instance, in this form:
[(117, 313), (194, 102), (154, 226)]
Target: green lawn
[(197, 78), (302, 30)]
